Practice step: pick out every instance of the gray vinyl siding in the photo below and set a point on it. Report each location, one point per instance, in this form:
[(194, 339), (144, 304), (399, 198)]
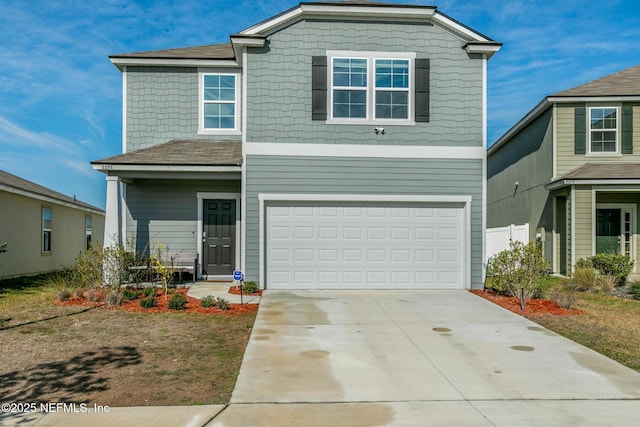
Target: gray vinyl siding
[(166, 212), (527, 159), (335, 175), (568, 160), (279, 85), (162, 104)]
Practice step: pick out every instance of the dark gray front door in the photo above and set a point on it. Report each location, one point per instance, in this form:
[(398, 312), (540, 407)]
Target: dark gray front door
[(219, 237)]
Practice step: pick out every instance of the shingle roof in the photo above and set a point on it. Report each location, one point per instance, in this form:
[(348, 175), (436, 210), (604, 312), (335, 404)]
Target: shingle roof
[(183, 153), (17, 183), (598, 171), (622, 83), (604, 171), (212, 51)]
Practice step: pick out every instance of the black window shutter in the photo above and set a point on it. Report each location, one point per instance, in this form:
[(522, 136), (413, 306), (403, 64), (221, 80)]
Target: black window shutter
[(422, 71), (627, 129), (319, 88), (580, 142)]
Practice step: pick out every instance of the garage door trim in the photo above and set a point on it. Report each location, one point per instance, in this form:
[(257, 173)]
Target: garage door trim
[(264, 199)]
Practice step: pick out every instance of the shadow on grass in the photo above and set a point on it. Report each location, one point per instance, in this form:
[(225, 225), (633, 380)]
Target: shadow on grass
[(68, 380)]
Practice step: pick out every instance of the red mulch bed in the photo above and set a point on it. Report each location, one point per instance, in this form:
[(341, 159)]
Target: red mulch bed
[(192, 306), (235, 290), (533, 307)]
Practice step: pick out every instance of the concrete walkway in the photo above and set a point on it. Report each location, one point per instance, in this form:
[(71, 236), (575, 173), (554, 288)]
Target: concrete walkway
[(202, 289), (364, 358)]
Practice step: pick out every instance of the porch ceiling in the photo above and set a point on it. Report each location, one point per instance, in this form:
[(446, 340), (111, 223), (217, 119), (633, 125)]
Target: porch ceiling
[(598, 173)]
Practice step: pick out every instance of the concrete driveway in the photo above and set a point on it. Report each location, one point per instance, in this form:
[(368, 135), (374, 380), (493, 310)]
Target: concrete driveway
[(419, 358)]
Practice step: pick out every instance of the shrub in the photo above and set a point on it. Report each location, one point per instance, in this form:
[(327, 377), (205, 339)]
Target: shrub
[(88, 268), (585, 278), (178, 302), (59, 279), (565, 295), (93, 295), (222, 303), (149, 292), (605, 284), (521, 267), (148, 302), (618, 266), (114, 298), (634, 290), (129, 295), (208, 301), (64, 294), (250, 287)]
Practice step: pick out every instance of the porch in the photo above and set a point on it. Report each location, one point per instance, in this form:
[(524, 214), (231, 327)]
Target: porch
[(182, 197), (596, 210)]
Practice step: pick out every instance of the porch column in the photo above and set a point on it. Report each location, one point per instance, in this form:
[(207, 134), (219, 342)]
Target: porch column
[(112, 218)]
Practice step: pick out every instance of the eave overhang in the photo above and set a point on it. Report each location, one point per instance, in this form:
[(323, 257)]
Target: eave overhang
[(488, 49), (172, 62), (554, 185), (113, 167), (240, 41)]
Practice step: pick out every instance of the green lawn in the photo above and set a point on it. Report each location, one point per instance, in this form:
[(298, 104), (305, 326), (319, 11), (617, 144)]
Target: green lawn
[(608, 325)]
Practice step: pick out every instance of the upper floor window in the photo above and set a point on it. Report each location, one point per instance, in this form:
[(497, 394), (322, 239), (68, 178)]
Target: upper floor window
[(603, 129), (371, 87), (46, 229), (219, 105)]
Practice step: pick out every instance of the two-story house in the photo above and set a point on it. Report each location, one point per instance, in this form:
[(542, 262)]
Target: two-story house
[(570, 169), (335, 145)]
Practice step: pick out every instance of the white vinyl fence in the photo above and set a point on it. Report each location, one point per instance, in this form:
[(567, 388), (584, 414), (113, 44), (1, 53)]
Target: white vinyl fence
[(498, 239)]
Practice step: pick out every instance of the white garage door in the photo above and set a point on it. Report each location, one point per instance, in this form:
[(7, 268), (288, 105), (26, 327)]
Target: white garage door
[(346, 246)]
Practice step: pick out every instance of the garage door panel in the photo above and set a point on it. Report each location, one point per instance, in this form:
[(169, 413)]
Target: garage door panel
[(350, 246)]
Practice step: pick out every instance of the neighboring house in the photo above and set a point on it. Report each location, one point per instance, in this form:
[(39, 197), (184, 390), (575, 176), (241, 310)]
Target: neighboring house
[(43, 229), (335, 145), (571, 169)]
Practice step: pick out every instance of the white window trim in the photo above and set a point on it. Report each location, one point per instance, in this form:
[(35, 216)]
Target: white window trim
[(45, 229), (618, 151), (88, 231), (238, 107), (371, 88)]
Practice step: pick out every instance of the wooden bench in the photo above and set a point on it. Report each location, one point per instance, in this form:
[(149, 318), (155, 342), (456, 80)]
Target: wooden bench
[(181, 262)]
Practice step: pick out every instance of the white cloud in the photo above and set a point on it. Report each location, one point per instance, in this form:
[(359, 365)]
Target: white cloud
[(12, 134)]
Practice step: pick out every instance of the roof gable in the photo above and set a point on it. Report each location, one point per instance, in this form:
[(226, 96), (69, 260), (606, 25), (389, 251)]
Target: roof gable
[(476, 42), (229, 54)]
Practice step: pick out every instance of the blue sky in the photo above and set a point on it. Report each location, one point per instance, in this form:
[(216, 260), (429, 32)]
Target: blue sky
[(60, 97)]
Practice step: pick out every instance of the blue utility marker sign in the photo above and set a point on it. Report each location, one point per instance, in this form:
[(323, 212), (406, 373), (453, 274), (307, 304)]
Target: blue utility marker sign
[(237, 275)]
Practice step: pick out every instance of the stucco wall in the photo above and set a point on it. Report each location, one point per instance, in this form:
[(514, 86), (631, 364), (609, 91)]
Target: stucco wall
[(21, 228)]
